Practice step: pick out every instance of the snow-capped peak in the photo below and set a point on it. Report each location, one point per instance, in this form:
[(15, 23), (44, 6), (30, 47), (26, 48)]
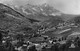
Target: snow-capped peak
[(44, 9)]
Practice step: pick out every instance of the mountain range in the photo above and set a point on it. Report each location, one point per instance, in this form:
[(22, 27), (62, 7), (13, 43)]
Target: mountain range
[(30, 17)]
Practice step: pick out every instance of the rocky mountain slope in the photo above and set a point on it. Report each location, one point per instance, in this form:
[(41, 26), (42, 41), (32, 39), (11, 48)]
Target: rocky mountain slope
[(39, 12), (36, 19)]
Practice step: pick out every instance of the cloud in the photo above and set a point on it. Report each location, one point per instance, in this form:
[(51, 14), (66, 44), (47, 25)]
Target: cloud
[(15, 2), (37, 2), (23, 2), (66, 6)]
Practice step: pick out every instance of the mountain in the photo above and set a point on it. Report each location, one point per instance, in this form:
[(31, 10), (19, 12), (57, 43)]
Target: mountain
[(23, 18), (46, 14), (44, 9), (38, 12), (11, 19), (41, 12)]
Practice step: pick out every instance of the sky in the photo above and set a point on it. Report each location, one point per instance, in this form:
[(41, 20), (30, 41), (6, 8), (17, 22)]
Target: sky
[(65, 6)]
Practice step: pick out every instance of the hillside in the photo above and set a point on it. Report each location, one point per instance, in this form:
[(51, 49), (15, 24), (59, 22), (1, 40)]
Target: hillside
[(17, 21)]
